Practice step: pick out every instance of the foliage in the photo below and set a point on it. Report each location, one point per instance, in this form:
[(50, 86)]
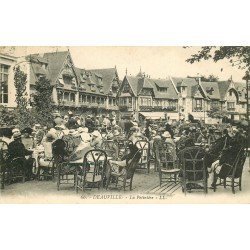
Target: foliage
[(24, 118), (210, 78), (8, 117), (43, 101), (237, 55), (217, 113)]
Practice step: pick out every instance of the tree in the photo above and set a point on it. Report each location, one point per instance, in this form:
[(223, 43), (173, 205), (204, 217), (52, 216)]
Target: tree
[(24, 117), (237, 55), (8, 117), (210, 78), (43, 101)]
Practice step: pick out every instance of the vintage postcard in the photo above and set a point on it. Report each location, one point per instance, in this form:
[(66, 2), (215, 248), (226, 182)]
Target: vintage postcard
[(124, 124)]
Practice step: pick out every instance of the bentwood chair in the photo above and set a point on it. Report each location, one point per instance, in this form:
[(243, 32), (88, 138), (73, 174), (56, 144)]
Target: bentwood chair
[(3, 162), (60, 163), (125, 176), (166, 161), (122, 147), (231, 175), (46, 167), (16, 169), (144, 147), (193, 173), (111, 148), (71, 143), (92, 171)]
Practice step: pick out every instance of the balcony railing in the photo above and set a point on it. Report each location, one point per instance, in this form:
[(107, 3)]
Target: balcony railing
[(125, 108), (146, 108), (112, 107), (68, 103), (231, 109)]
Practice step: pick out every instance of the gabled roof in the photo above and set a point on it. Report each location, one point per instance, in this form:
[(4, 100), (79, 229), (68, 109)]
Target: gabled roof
[(139, 83), (211, 89), (55, 63), (241, 88), (191, 84), (107, 75), (187, 81), (223, 88), (133, 82), (97, 78), (162, 83)]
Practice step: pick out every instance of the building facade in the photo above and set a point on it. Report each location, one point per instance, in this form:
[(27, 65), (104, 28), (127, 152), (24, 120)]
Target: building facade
[(81, 90), (100, 91), (7, 88), (143, 96)]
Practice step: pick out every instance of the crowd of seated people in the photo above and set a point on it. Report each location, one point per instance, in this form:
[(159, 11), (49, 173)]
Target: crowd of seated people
[(87, 133)]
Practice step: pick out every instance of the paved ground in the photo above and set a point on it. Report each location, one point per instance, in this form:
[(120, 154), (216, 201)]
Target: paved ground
[(145, 189)]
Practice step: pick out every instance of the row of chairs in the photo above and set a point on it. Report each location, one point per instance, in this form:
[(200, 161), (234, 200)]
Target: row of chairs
[(188, 167)]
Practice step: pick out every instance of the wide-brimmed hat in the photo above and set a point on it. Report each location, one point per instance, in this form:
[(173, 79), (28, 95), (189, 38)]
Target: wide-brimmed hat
[(15, 130), (166, 134)]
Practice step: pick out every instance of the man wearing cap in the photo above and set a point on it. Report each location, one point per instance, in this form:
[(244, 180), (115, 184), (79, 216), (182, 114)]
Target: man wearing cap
[(17, 149)]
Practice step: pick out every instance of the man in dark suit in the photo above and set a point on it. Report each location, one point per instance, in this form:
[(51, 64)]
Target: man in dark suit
[(17, 149)]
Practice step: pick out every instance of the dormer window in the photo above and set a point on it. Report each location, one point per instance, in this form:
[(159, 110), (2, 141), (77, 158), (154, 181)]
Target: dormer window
[(92, 88), (210, 90)]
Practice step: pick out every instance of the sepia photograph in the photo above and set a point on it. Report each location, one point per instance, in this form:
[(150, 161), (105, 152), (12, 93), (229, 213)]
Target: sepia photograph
[(124, 124)]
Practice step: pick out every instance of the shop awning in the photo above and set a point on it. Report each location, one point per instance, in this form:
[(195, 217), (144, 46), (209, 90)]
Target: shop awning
[(153, 115)]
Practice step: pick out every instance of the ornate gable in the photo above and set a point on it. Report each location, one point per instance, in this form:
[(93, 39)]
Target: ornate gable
[(126, 89), (67, 75), (197, 93)]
